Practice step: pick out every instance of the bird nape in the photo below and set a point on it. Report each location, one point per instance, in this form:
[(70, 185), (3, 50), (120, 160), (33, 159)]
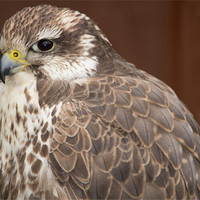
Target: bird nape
[(77, 121)]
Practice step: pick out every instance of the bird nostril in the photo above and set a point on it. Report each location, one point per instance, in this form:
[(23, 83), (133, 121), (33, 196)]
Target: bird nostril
[(15, 54)]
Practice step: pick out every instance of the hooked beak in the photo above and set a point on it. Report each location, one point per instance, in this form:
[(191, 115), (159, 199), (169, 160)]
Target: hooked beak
[(9, 66)]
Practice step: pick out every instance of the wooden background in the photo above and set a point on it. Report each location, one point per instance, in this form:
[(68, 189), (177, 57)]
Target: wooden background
[(160, 37)]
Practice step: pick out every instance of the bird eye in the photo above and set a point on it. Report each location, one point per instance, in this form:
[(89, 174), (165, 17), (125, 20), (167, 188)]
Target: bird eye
[(43, 45)]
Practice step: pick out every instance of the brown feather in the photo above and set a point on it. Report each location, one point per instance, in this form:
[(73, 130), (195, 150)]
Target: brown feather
[(111, 132), (143, 151)]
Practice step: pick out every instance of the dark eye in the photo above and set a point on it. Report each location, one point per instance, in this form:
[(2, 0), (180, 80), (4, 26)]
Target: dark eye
[(43, 45)]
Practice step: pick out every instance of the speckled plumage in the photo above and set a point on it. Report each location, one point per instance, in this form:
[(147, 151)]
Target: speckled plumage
[(82, 123)]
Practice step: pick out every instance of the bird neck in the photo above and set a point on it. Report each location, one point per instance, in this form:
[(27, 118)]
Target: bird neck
[(16, 103)]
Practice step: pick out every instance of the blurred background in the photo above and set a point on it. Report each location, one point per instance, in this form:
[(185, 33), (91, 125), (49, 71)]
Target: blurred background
[(160, 37)]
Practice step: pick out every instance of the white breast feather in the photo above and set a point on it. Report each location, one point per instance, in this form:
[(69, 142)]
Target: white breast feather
[(12, 95)]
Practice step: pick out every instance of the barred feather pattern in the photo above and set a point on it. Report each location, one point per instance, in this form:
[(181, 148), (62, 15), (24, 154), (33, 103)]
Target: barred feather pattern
[(124, 137)]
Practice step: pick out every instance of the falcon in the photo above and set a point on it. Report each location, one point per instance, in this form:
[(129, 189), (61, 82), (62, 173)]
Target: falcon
[(77, 121)]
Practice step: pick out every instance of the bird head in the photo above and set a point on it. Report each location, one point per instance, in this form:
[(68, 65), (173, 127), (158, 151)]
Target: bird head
[(53, 42)]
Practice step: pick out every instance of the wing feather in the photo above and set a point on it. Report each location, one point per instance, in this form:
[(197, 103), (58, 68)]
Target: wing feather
[(125, 136)]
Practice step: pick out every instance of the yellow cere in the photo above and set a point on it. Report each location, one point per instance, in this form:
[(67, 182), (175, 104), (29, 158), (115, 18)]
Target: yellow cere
[(15, 54)]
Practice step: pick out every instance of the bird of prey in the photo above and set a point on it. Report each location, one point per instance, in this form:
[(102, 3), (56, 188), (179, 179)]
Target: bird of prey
[(77, 121)]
